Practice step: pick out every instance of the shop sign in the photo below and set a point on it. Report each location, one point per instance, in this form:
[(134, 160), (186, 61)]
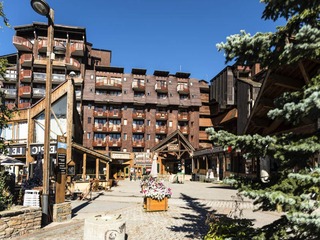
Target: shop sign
[(36, 149), (142, 158), (15, 151), (118, 155), (61, 154)]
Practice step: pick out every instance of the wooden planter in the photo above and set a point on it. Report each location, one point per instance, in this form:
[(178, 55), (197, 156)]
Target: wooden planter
[(152, 205)]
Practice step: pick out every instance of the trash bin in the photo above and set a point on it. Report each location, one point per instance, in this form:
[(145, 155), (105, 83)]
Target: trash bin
[(101, 227)]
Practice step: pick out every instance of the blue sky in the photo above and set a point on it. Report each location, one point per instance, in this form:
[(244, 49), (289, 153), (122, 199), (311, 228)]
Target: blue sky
[(168, 35)]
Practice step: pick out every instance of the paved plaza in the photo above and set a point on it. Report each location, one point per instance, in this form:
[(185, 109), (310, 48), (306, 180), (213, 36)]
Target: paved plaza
[(185, 218)]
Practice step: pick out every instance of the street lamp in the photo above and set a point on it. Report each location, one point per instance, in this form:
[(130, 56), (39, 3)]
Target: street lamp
[(42, 8)]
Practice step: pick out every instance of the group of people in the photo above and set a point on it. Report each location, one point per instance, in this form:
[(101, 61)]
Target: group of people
[(135, 174)]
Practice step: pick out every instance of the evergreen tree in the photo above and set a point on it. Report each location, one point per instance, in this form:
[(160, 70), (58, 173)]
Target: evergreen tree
[(295, 189)]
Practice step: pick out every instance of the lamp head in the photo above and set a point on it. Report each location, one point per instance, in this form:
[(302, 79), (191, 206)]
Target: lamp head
[(72, 74), (41, 7)]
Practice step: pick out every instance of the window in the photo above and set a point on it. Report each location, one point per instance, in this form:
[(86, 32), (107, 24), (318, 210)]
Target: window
[(162, 95), (138, 94), (89, 120), (148, 137), (125, 121), (125, 136), (170, 123), (88, 135), (184, 97), (148, 122), (124, 150)]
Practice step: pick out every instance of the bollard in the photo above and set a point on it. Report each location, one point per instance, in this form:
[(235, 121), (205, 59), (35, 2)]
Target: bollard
[(105, 227)]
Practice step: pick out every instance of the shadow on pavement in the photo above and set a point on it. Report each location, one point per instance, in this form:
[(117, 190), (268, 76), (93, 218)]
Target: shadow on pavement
[(195, 226), (83, 205)]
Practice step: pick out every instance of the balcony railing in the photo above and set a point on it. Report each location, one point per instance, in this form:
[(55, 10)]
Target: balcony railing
[(10, 93), (10, 106), (39, 92), (137, 128), (108, 83), (183, 89), (138, 85), (9, 75), (138, 143), (25, 91), (100, 113), (77, 49), (161, 115), (161, 87), (24, 105), (161, 129), (73, 64), (184, 129), (114, 128), (25, 75), (22, 44), (114, 114), (183, 116), (99, 142), (114, 143), (58, 78), (42, 45), (100, 127), (138, 114), (26, 60)]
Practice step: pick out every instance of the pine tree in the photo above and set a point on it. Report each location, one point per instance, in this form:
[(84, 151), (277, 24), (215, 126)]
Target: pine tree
[(295, 189)]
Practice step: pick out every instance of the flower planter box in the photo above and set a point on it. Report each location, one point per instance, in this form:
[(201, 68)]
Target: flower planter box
[(151, 205)]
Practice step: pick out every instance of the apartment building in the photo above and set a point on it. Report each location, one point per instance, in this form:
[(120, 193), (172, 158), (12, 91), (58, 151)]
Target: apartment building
[(123, 114)]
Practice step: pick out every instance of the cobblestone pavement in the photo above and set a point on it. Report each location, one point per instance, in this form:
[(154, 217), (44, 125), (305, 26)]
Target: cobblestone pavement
[(185, 218)]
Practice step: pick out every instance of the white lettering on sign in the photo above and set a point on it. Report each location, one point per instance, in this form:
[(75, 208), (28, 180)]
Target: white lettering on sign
[(40, 148)]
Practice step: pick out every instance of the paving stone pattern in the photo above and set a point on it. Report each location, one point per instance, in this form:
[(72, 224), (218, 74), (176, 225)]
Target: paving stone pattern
[(185, 218)]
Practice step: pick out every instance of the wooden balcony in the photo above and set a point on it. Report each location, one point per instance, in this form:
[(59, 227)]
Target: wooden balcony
[(184, 129), (138, 143), (24, 105), (138, 115), (114, 128), (77, 49), (161, 87), (25, 91), (10, 106), (203, 135), (161, 129), (161, 116), (108, 83), (114, 143), (25, 75), (137, 128), (73, 64), (204, 97), (40, 61), (114, 114), (138, 86), (100, 113), (183, 117), (98, 142), (100, 127), (42, 45), (183, 89), (26, 60), (22, 44)]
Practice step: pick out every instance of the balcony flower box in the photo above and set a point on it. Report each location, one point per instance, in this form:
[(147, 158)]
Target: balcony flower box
[(152, 205)]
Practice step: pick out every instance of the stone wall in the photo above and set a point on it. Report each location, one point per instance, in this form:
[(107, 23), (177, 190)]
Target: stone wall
[(19, 221), (62, 212)]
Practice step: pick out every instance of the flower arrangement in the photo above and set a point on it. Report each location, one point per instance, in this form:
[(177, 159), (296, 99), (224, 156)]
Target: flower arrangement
[(155, 189)]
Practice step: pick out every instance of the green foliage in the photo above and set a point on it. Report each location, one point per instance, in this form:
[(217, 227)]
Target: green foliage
[(5, 195), (295, 188), (289, 44), (2, 14)]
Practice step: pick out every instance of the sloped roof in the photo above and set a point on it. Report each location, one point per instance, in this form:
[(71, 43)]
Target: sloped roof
[(174, 143)]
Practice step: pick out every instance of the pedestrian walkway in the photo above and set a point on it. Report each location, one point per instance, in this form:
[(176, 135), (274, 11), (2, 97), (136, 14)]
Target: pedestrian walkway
[(185, 218)]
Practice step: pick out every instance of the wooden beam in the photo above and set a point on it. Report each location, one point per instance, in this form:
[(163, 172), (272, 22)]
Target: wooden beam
[(275, 124), (84, 166), (97, 168), (304, 72), (286, 82), (261, 122)]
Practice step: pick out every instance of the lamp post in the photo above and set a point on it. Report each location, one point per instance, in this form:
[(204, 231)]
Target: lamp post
[(42, 8)]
